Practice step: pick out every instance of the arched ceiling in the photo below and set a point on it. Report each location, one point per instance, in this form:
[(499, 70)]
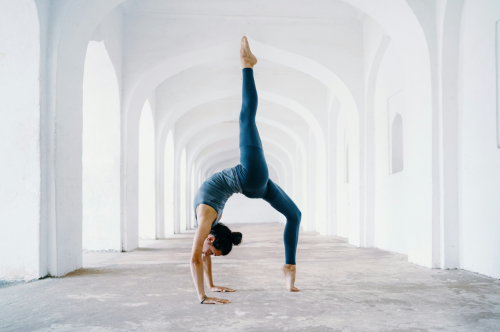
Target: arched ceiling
[(187, 55)]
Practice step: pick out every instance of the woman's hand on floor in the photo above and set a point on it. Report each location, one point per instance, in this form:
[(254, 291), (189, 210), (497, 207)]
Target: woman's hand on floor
[(221, 289), (214, 300)]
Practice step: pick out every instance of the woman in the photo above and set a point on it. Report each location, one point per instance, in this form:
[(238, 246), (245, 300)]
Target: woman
[(251, 178)]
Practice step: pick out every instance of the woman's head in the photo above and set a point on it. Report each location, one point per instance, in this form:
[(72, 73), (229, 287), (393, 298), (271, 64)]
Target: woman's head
[(221, 240)]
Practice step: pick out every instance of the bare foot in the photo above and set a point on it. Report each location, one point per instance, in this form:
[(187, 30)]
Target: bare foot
[(248, 60), (289, 273)]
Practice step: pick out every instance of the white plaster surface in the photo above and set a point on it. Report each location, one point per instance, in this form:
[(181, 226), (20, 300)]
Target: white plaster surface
[(101, 152), (169, 185), (67, 34), (479, 155), (391, 224), (331, 77), (20, 141), (240, 209), (146, 174)]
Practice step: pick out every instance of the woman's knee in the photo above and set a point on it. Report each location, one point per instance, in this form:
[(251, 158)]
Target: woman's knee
[(298, 216), (295, 217)]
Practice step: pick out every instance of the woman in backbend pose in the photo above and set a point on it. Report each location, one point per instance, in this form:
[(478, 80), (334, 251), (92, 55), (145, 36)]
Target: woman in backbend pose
[(251, 178)]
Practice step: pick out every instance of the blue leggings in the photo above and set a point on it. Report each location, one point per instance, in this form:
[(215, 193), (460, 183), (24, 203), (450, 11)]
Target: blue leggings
[(253, 173)]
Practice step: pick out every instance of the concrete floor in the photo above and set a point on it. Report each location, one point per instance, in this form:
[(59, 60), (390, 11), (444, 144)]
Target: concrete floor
[(343, 289)]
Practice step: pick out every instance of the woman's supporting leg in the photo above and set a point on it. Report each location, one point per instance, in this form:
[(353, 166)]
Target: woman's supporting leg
[(284, 204), (280, 201)]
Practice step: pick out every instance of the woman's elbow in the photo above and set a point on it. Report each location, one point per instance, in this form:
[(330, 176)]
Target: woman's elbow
[(196, 260)]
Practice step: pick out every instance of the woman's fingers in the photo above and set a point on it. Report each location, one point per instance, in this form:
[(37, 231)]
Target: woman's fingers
[(221, 289), (226, 289)]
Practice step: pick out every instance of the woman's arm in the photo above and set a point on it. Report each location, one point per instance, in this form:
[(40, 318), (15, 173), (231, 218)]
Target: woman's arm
[(207, 268), (205, 218)]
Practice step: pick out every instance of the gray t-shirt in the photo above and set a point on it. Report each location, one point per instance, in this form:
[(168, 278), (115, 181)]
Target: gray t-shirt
[(216, 190)]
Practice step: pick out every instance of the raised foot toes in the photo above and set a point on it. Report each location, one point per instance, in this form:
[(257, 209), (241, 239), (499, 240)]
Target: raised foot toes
[(245, 54)]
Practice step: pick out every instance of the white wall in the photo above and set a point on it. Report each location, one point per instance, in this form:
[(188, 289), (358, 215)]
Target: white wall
[(183, 201), (20, 142), (110, 30), (68, 27), (169, 185), (479, 153), (147, 227), (348, 208), (240, 209), (343, 197), (101, 152), (391, 199), (101, 136)]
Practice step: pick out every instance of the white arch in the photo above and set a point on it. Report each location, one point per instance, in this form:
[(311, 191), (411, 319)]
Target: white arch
[(273, 163), (224, 136), (192, 193), (147, 220), (100, 152), (286, 167), (318, 162), (70, 30), (300, 195), (368, 222), (289, 180), (183, 108), (168, 188), (423, 160), (153, 77), (182, 201), (285, 177), (225, 117), (205, 144), (446, 253)]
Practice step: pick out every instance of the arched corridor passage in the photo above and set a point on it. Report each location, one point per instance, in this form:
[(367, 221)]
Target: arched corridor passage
[(379, 119)]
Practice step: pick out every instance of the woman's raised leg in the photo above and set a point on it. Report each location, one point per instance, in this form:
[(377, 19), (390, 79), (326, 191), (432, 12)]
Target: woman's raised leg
[(249, 135), (253, 173)]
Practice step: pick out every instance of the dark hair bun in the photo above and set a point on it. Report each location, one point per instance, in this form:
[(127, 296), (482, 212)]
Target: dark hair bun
[(224, 238), (236, 238)]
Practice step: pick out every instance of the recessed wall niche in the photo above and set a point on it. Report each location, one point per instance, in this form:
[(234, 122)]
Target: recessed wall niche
[(395, 108), (397, 144)]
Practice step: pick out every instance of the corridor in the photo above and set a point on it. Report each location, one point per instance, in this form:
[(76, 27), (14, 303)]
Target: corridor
[(379, 119), (343, 288)]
